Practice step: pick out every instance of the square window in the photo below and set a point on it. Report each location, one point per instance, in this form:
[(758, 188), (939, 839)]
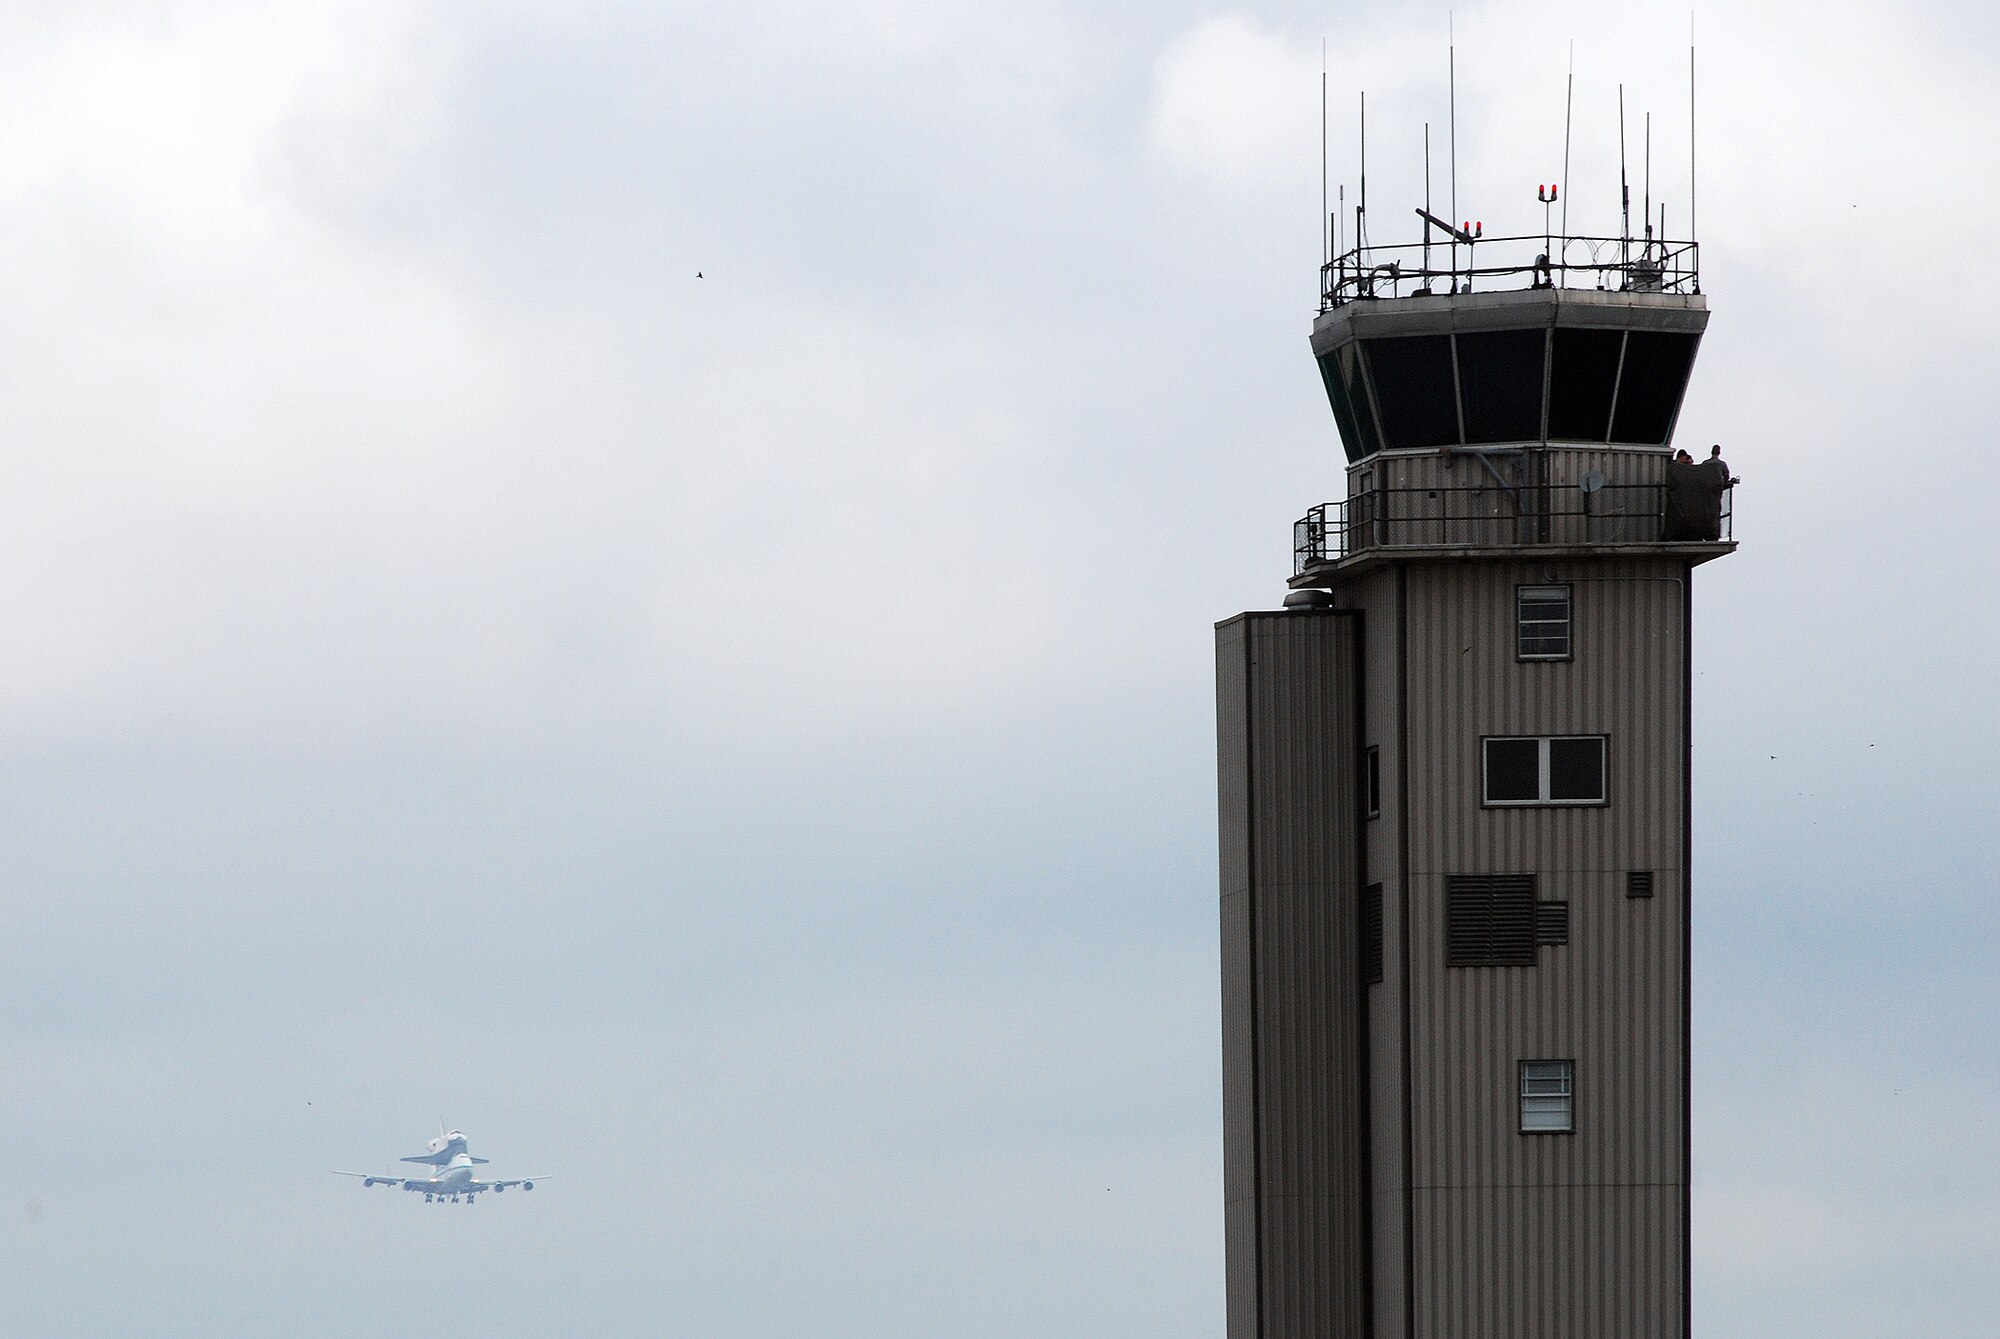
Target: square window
[(1541, 622), (1576, 770), (1546, 769), (1548, 1096), (1513, 771)]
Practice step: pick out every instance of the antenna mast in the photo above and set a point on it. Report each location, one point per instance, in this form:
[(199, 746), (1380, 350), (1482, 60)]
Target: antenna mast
[(1691, 232), (1649, 178), (1361, 213), (1451, 77), (1624, 188), (1569, 102), (1427, 203), (1325, 224)]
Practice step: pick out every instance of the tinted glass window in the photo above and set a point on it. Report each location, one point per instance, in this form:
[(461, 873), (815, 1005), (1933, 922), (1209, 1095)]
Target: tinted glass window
[(1413, 386), (1649, 390), (1576, 769), (1343, 408), (1368, 439), (1500, 373), (1581, 382), (1513, 770)]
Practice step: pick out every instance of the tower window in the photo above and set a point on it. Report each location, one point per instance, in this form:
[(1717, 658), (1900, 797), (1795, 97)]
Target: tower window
[(1544, 769), (1371, 783), (1548, 1096), (1489, 920), (1542, 622)]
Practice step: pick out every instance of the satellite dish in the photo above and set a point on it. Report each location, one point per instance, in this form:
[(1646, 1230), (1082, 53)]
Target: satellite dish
[(1591, 481)]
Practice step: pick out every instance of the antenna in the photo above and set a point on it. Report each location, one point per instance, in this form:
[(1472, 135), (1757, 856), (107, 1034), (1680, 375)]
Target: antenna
[(1569, 102), (1326, 237), (1691, 235), (1361, 214), (1427, 201), (1649, 177), (1451, 78), (1624, 187)]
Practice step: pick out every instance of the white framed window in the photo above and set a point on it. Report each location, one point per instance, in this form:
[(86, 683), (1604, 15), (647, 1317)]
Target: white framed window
[(1548, 1096), (1541, 622), (1543, 769)]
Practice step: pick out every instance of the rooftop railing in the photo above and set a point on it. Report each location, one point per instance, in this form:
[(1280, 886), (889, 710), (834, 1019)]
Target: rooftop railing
[(1490, 516), (1490, 264)]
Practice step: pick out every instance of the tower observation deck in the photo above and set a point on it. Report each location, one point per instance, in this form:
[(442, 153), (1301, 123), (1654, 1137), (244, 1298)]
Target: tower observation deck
[(1509, 392), (1454, 785)]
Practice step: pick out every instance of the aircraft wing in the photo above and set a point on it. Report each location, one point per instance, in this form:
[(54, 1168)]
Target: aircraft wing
[(525, 1182), (383, 1179)]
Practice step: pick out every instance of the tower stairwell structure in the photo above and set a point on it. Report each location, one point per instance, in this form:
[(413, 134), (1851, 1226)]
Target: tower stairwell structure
[(1454, 796)]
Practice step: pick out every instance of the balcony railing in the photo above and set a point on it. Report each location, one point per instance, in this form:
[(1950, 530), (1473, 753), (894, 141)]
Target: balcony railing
[(1493, 516), (1533, 260)]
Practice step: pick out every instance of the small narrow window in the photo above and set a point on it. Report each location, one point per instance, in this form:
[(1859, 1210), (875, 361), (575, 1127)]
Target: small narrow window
[(1549, 769), (1371, 934), (1371, 783), (1541, 622), (1548, 1096), (1552, 923)]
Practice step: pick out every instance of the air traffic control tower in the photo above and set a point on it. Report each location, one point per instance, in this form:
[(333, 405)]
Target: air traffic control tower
[(1454, 793)]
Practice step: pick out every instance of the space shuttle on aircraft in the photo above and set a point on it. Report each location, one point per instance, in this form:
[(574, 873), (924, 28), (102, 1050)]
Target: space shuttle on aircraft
[(453, 1180)]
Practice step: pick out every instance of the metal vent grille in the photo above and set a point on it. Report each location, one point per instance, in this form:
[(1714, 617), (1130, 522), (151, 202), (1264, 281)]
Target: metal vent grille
[(1371, 933), (1639, 883), (1551, 922), (1489, 920)]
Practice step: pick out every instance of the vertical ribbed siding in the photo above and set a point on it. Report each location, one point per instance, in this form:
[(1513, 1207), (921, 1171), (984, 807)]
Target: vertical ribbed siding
[(1380, 695), (1239, 1106), (1294, 1170), (1574, 1234)]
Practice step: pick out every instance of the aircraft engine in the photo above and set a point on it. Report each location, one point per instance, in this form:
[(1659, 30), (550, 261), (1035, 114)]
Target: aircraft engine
[(527, 1185)]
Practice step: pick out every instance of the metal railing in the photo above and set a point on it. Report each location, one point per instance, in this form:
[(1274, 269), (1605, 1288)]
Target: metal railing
[(1414, 269), (1494, 516)]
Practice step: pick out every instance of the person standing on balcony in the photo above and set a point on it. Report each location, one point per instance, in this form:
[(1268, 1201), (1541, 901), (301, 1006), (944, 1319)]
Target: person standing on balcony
[(1686, 498), (1715, 480)]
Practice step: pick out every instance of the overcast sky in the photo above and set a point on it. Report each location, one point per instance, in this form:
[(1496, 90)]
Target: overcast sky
[(743, 745)]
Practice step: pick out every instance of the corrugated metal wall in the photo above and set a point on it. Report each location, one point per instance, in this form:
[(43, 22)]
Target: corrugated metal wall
[(1294, 1114), (1578, 1233), (1473, 1229)]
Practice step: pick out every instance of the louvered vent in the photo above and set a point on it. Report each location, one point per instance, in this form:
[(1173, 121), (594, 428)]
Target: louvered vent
[(1489, 920), (1639, 883), (1371, 933), (1551, 922)]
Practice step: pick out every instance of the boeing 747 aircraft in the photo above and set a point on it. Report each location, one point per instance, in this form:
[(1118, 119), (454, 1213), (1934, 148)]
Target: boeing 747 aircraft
[(453, 1179)]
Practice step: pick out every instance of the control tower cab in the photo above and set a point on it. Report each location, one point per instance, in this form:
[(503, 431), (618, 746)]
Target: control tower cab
[(1509, 392)]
